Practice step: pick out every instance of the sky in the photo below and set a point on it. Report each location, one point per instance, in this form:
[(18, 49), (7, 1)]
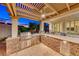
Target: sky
[(3, 13), (5, 17)]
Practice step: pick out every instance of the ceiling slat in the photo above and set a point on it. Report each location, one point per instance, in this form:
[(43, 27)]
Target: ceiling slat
[(51, 8), (27, 12), (68, 6)]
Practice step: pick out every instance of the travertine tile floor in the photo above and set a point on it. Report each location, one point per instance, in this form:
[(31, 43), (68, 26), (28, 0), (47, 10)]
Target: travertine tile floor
[(37, 50)]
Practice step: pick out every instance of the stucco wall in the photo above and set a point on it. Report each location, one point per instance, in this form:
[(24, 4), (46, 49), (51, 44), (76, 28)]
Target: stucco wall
[(5, 30)]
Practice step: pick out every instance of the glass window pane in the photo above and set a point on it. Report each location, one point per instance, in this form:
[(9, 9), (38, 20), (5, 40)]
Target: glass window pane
[(67, 27)]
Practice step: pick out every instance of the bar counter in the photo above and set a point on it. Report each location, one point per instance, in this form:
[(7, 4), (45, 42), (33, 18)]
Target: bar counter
[(62, 44), (66, 38)]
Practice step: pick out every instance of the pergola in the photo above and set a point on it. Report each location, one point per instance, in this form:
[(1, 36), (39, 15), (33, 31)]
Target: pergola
[(35, 11)]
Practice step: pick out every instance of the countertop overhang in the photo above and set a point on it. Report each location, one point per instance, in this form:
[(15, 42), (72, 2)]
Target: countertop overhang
[(64, 38)]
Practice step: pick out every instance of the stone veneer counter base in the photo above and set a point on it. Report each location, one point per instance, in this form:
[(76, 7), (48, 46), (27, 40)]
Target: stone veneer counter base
[(14, 45), (61, 44)]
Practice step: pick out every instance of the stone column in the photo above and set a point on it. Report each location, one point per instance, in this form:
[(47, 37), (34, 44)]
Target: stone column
[(13, 43), (50, 27), (42, 27), (14, 27)]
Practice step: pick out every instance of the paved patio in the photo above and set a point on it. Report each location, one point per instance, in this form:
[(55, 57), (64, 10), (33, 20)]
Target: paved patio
[(37, 50)]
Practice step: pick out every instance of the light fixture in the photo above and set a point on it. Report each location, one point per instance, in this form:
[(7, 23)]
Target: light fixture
[(64, 42), (43, 16)]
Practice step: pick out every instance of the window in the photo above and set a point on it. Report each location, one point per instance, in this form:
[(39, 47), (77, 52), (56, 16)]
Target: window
[(67, 27), (70, 27), (77, 27)]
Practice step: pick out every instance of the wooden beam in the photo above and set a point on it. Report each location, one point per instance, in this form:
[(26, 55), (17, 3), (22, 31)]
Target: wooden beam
[(52, 8), (19, 16), (68, 7), (48, 14), (27, 17), (14, 8), (31, 17), (10, 9), (71, 12), (43, 8)]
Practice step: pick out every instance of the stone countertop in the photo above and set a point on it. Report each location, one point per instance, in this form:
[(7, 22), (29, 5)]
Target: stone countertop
[(66, 38), (33, 35), (23, 37)]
